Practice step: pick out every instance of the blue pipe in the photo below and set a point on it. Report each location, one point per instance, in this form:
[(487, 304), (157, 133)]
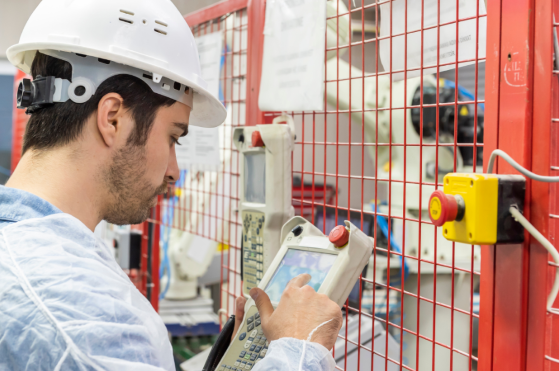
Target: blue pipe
[(465, 92), (167, 221), (382, 223)]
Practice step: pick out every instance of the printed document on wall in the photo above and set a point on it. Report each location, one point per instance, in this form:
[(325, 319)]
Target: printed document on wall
[(200, 148), (293, 60), (470, 32)]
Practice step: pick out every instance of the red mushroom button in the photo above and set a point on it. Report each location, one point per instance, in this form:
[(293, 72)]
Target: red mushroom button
[(442, 208), (339, 236), (257, 139)]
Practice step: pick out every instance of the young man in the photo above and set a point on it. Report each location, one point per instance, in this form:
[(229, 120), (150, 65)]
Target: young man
[(116, 84)]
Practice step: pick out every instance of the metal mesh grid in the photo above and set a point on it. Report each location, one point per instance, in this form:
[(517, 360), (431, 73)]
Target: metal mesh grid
[(208, 200), (362, 159), (428, 309)]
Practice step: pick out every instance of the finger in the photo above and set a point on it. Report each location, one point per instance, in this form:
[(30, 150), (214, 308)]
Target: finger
[(263, 304), (299, 281), (239, 314)]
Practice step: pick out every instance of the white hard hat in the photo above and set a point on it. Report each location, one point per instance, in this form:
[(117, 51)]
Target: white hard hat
[(148, 35)]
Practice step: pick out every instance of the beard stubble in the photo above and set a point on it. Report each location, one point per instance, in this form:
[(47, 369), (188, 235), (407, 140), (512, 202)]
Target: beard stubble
[(132, 195)]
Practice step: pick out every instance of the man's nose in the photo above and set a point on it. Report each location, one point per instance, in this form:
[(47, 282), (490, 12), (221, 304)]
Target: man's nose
[(173, 171)]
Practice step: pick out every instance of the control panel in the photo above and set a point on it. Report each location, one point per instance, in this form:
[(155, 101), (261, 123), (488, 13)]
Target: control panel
[(474, 208), (266, 203), (334, 264)]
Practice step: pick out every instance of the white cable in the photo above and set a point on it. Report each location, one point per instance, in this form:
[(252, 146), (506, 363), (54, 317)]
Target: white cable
[(308, 340), (526, 224), (518, 167), (548, 246)]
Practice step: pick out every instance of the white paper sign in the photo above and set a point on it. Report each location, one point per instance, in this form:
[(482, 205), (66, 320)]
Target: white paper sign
[(467, 33), (200, 148), (209, 50), (293, 58), (199, 248)]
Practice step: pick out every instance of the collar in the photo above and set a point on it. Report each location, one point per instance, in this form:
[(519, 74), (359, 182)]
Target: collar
[(17, 205)]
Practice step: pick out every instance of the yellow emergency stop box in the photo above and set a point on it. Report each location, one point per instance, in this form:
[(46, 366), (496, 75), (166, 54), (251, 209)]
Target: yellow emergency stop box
[(480, 193), (486, 201)]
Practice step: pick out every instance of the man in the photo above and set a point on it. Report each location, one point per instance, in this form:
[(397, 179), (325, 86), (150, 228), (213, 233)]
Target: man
[(116, 84)]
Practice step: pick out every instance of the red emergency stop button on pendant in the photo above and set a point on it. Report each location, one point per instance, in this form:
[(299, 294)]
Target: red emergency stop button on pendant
[(339, 236), (257, 139), (442, 208)]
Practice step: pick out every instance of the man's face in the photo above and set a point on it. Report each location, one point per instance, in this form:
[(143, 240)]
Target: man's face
[(138, 174)]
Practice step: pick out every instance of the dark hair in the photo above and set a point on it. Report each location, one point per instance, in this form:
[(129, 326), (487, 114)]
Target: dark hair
[(63, 123)]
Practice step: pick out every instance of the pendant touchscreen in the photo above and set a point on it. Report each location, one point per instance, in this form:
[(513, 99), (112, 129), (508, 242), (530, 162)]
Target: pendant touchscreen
[(265, 203), (334, 263)]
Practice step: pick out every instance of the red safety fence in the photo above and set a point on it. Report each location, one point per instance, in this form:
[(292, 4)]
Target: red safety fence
[(373, 156)]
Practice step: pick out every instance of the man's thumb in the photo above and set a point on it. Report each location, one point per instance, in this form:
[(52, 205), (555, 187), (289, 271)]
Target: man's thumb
[(263, 303)]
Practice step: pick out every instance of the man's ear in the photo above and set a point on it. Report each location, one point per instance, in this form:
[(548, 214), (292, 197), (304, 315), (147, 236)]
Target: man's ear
[(110, 112)]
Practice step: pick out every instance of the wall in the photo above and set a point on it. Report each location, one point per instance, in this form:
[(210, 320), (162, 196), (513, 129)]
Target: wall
[(6, 104)]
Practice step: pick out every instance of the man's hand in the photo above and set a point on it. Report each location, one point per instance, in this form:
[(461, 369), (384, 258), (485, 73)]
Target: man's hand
[(299, 311), (239, 314)]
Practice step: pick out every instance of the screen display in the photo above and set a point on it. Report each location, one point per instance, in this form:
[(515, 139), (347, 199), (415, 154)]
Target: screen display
[(255, 177), (296, 262)]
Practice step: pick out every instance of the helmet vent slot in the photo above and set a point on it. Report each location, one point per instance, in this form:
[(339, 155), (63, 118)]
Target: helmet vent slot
[(81, 55), (126, 12), (160, 31), (105, 61), (147, 76), (162, 23), (126, 20), (186, 90), (177, 86)]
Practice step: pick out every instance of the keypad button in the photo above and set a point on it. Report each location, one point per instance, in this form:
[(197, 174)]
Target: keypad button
[(257, 339), (264, 351), (238, 362), (257, 315), (247, 344), (260, 331), (250, 319), (250, 327), (253, 357), (252, 347), (257, 323), (247, 356), (242, 336), (258, 349), (253, 333), (242, 354), (248, 366)]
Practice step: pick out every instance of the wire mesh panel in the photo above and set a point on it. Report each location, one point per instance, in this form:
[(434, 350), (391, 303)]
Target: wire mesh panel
[(204, 202), (404, 105)]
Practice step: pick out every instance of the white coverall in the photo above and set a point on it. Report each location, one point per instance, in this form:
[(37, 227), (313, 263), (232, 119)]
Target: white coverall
[(65, 304)]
